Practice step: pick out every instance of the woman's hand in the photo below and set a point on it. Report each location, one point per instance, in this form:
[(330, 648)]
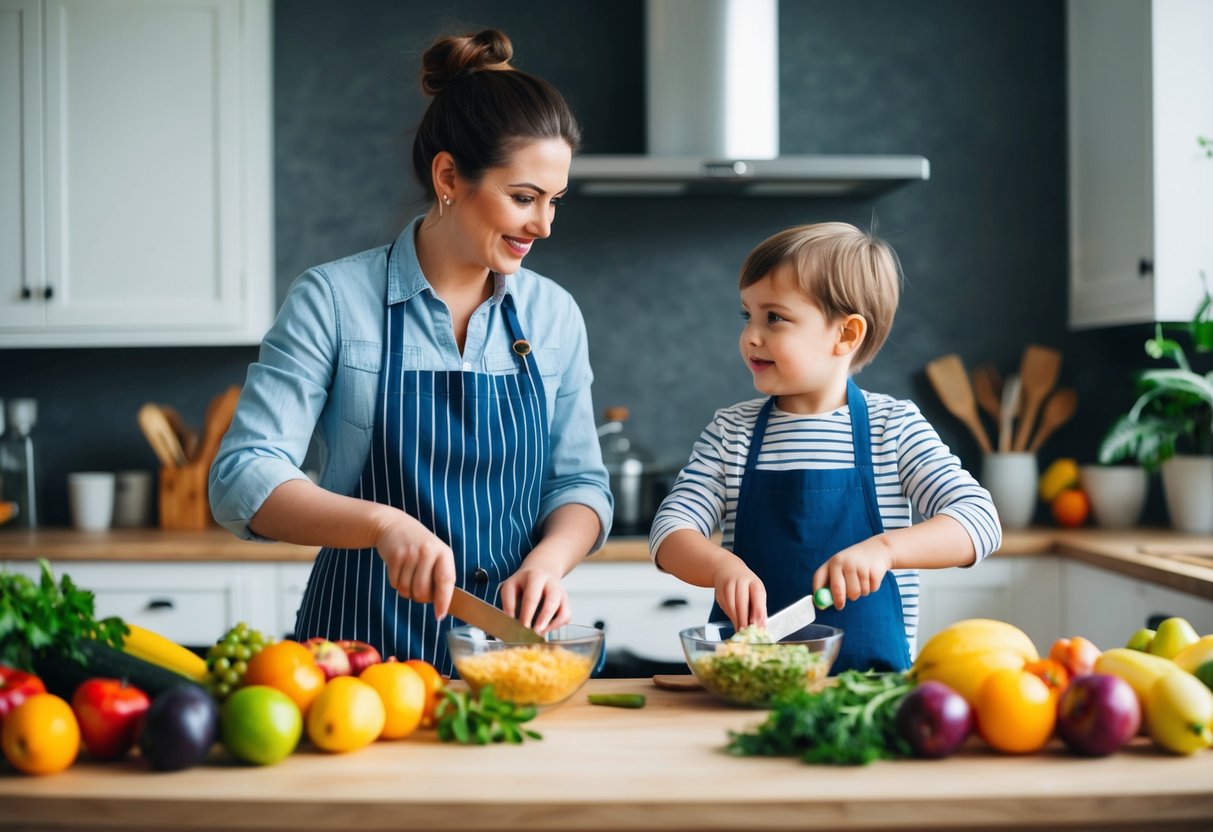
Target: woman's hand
[(740, 593), (419, 565), (535, 596), (855, 571)]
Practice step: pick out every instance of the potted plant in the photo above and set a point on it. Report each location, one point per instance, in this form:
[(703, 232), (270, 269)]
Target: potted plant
[(1170, 426)]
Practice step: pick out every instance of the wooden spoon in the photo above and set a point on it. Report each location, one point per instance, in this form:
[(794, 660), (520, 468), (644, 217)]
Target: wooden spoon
[(160, 435), (1008, 412), (218, 419), (951, 383), (1038, 373), (987, 386), (1057, 411)]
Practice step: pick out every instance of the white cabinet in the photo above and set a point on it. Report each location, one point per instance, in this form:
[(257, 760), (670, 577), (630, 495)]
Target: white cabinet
[(135, 172), (1141, 189), (1022, 590)]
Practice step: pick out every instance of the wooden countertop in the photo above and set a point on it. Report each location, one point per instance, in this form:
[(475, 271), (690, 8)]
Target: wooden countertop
[(1180, 561), (661, 767)]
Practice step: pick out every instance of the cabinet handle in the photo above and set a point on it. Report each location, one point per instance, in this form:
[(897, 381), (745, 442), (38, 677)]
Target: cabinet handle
[(48, 292), (674, 602), (1145, 267), (26, 293), (160, 604), (600, 625)]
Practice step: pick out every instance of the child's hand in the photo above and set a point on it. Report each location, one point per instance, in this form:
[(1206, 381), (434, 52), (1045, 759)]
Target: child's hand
[(855, 571), (740, 593)]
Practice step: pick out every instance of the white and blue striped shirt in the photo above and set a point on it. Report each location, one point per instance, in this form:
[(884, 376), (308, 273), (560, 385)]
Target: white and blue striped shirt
[(911, 465)]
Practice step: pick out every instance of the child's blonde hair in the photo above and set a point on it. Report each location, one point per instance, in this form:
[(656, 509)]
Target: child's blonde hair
[(843, 270)]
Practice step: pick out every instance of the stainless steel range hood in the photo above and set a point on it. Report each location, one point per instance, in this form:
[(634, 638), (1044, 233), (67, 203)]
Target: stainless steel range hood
[(713, 116)]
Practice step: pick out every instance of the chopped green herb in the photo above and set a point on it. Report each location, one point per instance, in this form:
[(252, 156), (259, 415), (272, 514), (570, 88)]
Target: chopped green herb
[(467, 718), (751, 670)]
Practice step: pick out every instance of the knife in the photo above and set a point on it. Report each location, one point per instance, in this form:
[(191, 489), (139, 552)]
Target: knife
[(798, 614), (468, 608)]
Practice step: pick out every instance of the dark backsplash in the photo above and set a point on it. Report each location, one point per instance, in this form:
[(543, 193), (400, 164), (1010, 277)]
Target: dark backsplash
[(977, 88)]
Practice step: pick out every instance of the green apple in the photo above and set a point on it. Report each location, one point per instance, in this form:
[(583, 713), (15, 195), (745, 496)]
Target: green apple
[(1141, 640), (260, 724), (1173, 635)]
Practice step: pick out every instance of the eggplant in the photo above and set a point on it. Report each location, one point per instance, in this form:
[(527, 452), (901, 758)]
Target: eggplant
[(179, 728)]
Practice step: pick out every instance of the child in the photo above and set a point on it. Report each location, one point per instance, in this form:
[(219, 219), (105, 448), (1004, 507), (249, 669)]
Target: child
[(825, 498)]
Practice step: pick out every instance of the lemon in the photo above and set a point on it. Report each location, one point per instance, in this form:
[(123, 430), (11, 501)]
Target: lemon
[(1061, 475)]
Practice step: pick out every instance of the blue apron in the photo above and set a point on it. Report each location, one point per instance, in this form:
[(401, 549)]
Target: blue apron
[(790, 522), (463, 452)]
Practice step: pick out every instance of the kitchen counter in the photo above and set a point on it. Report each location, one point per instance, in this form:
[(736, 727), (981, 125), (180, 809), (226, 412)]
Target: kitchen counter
[(1167, 558), (661, 767)]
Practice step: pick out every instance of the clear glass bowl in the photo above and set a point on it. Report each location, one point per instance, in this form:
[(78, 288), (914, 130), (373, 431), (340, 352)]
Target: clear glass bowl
[(755, 674), (527, 674)]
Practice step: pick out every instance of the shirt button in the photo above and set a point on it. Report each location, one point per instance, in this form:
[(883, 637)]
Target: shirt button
[(467, 366), (481, 575)]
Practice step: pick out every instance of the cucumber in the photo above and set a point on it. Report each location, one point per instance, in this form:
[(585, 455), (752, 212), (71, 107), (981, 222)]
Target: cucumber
[(62, 674), (617, 700)]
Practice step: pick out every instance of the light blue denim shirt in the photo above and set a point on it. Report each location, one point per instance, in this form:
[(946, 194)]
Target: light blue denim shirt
[(318, 371)]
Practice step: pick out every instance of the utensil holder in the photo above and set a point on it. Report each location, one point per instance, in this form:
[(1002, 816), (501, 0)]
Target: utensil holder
[(184, 505), (1011, 480)]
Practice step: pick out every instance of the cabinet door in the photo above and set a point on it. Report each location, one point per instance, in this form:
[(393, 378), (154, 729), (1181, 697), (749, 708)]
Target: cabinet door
[(20, 163)]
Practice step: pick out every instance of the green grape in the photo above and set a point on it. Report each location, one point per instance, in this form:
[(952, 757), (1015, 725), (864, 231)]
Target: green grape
[(242, 654), (241, 668), (227, 659), (221, 690), (221, 665)]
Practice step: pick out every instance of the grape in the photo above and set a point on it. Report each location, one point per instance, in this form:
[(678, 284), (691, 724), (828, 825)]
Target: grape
[(227, 659)]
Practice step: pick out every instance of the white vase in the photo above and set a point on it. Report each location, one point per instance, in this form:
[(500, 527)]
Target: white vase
[(1011, 480), (1187, 482), (1117, 492)]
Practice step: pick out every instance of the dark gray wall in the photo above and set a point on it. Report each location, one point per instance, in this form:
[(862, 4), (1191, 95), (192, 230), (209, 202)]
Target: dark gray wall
[(977, 88)]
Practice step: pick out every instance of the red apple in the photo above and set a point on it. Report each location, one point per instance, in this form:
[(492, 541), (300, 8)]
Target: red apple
[(109, 712), (1097, 714), (330, 657), (934, 719), (15, 687), (361, 655)]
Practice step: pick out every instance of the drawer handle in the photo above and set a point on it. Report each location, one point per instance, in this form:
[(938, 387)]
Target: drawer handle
[(600, 625), (160, 604), (674, 602)]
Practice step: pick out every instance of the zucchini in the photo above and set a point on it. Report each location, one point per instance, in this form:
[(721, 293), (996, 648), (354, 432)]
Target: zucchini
[(62, 674)]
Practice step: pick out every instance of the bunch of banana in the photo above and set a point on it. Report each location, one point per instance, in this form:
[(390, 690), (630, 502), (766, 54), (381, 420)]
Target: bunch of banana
[(1176, 707), (963, 655)]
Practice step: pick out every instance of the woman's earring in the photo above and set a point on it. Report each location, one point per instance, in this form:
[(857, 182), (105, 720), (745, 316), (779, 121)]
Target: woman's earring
[(446, 199)]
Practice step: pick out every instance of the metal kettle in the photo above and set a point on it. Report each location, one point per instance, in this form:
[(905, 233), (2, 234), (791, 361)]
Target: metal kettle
[(638, 483)]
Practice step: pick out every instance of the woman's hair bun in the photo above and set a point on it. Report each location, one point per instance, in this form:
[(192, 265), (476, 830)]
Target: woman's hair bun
[(457, 56)]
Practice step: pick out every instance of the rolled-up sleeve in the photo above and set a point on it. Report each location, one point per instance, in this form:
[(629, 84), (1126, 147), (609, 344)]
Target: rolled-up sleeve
[(575, 472), (284, 394)]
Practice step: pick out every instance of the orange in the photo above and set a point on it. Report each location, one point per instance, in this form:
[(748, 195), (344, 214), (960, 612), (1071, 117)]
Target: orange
[(1015, 711), (347, 715), (41, 735), (1052, 672), (291, 668), (1071, 508), (404, 696), (434, 683)]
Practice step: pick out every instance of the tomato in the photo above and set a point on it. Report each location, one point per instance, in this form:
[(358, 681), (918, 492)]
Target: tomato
[(1077, 654), (15, 687), (109, 712), (291, 668), (1015, 711)]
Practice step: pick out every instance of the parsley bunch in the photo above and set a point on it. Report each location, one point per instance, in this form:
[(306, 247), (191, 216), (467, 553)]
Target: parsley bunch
[(850, 723), (45, 617), (466, 718)]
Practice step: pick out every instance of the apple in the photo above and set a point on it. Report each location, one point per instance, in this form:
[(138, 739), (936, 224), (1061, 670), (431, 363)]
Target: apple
[(934, 719), (1077, 654), (361, 655), (179, 728), (1097, 714), (15, 687), (330, 657), (1141, 640), (109, 712), (260, 724)]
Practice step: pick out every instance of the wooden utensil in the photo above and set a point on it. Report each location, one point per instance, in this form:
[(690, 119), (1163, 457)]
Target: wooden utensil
[(187, 436), (1038, 373), (183, 497), (951, 383), (987, 387), (155, 426), (669, 681), (1007, 413), (1057, 411)]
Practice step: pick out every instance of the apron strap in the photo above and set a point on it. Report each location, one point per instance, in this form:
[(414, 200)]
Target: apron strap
[(861, 438)]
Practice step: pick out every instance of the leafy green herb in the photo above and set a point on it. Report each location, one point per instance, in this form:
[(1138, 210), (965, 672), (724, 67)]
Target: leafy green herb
[(850, 723), (45, 617), (466, 718)]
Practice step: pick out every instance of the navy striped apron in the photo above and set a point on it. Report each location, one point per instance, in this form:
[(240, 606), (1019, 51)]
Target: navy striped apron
[(790, 522), (464, 453)]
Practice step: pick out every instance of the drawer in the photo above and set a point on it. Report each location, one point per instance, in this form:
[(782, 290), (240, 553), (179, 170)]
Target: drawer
[(193, 618), (291, 584)]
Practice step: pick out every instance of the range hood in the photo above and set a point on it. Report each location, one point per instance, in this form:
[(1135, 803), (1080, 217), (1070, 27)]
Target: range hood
[(713, 116)]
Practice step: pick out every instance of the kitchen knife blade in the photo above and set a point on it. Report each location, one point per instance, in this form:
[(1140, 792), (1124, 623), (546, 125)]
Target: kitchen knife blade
[(468, 608), (791, 618)]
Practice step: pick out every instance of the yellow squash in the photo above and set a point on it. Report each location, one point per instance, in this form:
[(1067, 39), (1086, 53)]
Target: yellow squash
[(1180, 713), (155, 648)]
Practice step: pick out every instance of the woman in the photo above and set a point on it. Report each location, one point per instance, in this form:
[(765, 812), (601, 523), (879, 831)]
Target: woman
[(448, 388)]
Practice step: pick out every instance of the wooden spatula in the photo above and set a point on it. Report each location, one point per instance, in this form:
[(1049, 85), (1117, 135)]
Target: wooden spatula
[(160, 435), (1038, 373), (951, 383), (1057, 411), (987, 387)]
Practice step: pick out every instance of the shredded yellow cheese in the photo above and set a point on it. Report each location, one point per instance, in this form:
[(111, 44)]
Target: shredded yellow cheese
[(533, 674)]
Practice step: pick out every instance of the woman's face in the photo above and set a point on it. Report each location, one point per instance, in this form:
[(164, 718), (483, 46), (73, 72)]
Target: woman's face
[(513, 205)]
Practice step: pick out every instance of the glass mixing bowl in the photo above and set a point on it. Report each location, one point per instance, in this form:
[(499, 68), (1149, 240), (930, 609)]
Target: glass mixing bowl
[(527, 674)]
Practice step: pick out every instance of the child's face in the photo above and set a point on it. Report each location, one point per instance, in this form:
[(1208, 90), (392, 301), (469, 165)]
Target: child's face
[(790, 346)]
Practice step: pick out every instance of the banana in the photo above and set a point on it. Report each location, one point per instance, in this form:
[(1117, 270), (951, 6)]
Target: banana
[(1180, 713), (155, 648), (1140, 670), (1194, 655)]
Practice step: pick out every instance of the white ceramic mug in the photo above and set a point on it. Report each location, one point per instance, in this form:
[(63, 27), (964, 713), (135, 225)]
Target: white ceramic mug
[(90, 495), (132, 499), (1011, 480)]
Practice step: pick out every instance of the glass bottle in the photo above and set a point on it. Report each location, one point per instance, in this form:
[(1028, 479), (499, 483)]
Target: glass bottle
[(18, 479), (631, 468)]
